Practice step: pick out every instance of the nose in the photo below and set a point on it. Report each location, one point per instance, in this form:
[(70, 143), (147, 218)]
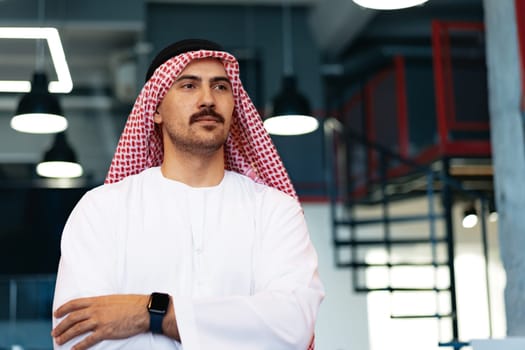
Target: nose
[(206, 98)]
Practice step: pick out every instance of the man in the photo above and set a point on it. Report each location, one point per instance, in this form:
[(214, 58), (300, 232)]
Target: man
[(197, 240)]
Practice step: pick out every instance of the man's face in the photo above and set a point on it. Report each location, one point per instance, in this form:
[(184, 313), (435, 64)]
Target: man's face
[(196, 112)]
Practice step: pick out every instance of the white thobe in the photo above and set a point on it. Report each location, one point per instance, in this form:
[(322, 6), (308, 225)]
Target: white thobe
[(236, 258)]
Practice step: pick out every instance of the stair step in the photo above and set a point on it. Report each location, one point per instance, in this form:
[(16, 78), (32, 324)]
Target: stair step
[(438, 316), (454, 344), (355, 242), (395, 289), (356, 264), (391, 219)]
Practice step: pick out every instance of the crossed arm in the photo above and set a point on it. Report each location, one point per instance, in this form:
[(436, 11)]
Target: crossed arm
[(277, 313), (108, 317), (232, 321)]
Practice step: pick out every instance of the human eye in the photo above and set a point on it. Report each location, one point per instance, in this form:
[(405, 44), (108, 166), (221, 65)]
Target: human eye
[(222, 86), (187, 85)]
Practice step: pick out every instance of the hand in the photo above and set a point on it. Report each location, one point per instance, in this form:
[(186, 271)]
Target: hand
[(107, 317)]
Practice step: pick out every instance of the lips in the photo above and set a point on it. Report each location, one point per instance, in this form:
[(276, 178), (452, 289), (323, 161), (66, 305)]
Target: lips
[(208, 118)]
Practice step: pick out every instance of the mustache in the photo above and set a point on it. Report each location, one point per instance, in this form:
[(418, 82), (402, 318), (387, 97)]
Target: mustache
[(206, 112)]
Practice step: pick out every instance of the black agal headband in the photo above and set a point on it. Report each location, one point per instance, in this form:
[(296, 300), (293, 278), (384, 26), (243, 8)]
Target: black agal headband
[(180, 47)]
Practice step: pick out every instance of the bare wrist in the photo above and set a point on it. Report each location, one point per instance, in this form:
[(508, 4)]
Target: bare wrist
[(144, 325), (169, 324)]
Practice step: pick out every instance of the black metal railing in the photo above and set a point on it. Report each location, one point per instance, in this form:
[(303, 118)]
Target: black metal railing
[(375, 186)]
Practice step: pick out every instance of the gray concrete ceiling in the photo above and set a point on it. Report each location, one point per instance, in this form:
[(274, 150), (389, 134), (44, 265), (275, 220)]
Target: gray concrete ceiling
[(98, 33), (94, 38)]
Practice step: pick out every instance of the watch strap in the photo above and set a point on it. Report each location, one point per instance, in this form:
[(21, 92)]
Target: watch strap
[(155, 322)]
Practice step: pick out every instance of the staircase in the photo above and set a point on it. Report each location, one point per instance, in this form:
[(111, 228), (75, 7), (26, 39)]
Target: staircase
[(382, 214)]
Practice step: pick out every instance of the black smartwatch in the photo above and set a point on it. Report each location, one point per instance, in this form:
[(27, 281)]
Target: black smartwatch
[(157, 307)]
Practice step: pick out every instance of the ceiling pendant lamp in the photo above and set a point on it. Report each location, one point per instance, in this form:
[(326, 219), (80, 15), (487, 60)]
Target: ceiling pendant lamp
[(60, 160), (493, 213), (290, 113), (38, 111), (389, 4), (470, 216)]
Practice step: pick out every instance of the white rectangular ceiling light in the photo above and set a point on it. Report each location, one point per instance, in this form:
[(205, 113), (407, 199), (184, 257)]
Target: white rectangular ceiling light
[(64, 83)]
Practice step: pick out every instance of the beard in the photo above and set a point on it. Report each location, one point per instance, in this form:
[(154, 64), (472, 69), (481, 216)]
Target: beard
[(202, 140), (194, 144)]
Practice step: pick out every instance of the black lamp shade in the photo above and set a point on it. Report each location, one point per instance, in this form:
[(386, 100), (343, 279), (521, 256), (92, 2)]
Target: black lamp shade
[(492, 205), (290, 101), (39, 100), (60, 151)]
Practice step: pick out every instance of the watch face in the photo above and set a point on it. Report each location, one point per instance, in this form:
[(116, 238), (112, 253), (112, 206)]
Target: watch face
[(159, 303)]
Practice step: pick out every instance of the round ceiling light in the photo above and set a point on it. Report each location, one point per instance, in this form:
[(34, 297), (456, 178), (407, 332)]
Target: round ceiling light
[(389, 4)]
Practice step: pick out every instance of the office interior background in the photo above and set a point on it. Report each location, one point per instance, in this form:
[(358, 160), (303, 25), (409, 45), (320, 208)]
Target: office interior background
[(405, 147)]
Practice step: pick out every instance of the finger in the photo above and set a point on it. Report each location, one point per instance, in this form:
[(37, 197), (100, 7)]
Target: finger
[(87, 342), (71, 306), (68, 322), (75, 330)]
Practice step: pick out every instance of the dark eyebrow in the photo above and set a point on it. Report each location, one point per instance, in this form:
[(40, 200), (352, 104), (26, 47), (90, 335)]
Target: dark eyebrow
[(188, 77), (218, 79), (196, 78)]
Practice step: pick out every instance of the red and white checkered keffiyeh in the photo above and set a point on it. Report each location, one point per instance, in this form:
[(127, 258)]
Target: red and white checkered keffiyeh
[(249, 149)]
